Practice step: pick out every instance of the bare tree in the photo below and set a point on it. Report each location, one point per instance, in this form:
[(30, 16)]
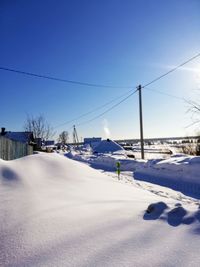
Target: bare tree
[(189, 149), (39, 126), (63, 137), (194, 109)]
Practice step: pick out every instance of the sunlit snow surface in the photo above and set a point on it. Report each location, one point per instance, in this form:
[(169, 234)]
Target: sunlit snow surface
[(180, 172), (55, 211)]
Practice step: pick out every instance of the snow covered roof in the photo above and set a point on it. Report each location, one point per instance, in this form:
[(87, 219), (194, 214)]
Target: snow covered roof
[(108, 146), (24, 137), (93, 141)]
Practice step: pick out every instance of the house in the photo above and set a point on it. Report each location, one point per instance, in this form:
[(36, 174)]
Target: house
[(14, 145), (23, 137)]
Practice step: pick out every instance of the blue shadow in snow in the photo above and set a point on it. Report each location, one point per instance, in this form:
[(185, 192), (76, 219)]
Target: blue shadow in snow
[(174, 217), (187, 188), (9, 176), (154, 211)]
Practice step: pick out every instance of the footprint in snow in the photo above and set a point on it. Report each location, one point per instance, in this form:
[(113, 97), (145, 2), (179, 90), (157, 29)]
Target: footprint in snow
[(177, 216), (155, 210)]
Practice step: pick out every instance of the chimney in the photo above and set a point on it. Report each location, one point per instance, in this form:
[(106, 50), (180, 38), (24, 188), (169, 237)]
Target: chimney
[(3, 131)]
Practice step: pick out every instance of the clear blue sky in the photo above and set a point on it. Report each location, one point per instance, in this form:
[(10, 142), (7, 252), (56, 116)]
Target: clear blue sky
[(110, 42)]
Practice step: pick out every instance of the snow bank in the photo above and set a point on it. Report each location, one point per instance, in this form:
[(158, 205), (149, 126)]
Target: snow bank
[(107, 162), (60, 212), (180, 173)]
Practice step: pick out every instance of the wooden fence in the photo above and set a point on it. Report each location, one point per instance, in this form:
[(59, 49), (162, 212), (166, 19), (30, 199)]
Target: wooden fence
[(10, 149)]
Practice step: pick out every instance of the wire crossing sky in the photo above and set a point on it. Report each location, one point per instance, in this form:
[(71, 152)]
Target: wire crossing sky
[(172, 70), (62, 80), (99, 85), (99, 49), (94, 110), (124, 99), (104, 86), (109, 109)]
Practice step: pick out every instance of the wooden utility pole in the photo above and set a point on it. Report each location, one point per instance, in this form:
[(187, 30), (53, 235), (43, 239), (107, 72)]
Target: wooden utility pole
[(141, 121)]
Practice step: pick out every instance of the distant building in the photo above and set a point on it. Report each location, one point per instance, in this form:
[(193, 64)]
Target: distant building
[(42, 144), (49, 143), (92, 141)]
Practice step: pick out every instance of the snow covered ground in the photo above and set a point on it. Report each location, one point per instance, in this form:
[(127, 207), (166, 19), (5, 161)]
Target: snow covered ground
[(59, 212), (180, 172)]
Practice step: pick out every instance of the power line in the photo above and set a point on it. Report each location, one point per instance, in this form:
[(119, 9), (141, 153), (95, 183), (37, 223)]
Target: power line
[(162, 93), (172, 70), (101, 114), (114, 106), (149, 83), (101, 85), (62, 80), (93, 110), (153, 81), (94, 84)]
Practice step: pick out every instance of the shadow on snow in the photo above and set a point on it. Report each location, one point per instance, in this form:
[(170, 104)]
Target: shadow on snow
[(174, 217)]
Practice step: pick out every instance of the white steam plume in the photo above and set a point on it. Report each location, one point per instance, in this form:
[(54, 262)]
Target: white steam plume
[(106, 129)]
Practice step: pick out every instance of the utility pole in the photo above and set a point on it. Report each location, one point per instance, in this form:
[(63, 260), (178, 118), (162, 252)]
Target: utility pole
[(75, 136), (141, 122)]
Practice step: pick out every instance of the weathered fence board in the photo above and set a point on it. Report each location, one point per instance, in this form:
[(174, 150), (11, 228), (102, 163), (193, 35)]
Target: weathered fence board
[(10, 149)]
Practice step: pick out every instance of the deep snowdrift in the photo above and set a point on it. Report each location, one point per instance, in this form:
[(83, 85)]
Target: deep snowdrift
[(59, 212)]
